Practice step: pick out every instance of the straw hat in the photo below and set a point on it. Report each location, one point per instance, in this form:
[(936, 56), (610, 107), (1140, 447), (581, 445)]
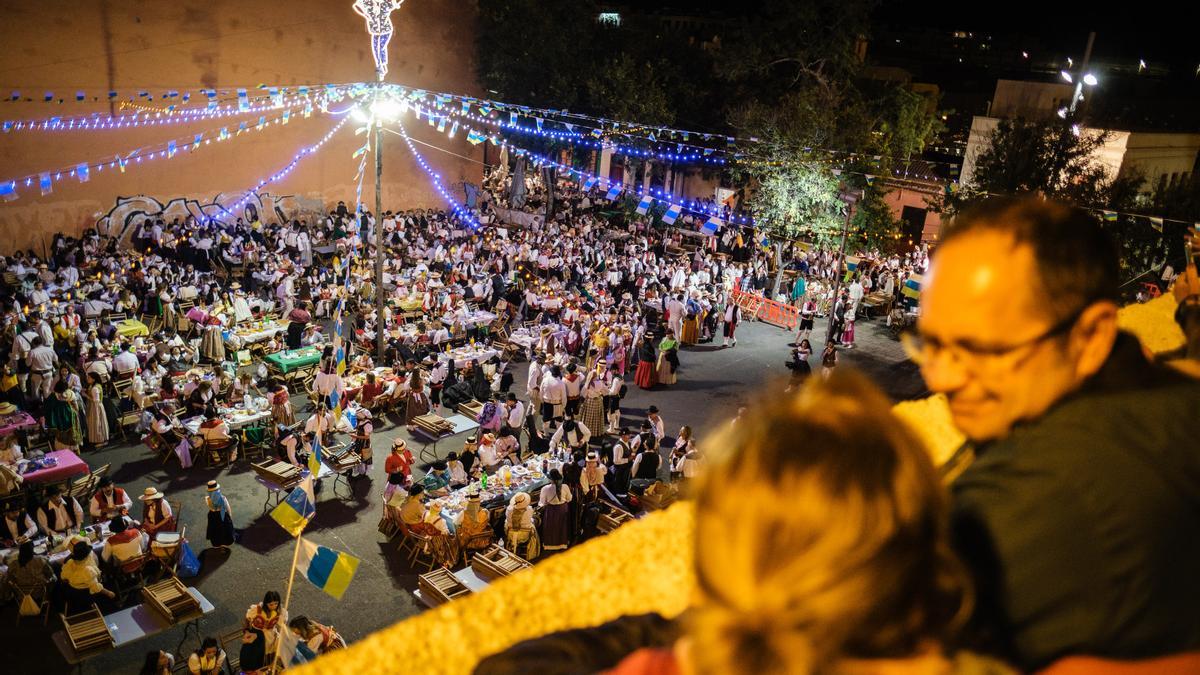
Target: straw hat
[(7, 408), (151, 493), (521, 499), (213, 486)]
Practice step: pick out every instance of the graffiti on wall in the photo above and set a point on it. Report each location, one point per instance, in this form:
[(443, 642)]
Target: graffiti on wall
[(123, 220)]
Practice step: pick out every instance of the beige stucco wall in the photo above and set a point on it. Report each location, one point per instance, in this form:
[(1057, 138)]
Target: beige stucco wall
[(96, 45)]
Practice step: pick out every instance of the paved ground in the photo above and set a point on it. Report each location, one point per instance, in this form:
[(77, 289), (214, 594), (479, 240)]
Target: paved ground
[(713, 383)]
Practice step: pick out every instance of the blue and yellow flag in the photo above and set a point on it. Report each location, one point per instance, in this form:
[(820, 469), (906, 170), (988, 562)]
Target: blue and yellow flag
[(314, 457), (294, 513), (327, 569)]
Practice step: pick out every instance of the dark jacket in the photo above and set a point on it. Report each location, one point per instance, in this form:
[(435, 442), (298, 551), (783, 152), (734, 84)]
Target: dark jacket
[(1082, 528)]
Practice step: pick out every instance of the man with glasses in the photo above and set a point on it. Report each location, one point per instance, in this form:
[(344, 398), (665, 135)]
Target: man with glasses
[(1078, 513)]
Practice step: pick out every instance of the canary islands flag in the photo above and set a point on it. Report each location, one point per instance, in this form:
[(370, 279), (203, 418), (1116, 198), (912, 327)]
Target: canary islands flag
[(327, 569), (852, 263), (671, 214), (644, 205), (912, 286), (613, 193), (314, 458), (294, 513), (590, 183)]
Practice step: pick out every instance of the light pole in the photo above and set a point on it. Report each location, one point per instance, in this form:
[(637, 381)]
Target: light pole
[(380, 325), (1084, 76), (850, 197)]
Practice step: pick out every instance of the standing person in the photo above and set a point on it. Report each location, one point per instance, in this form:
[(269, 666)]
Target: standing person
[(644, 376), (62, 417), (362, 441), (400, 461), (554, 394), (591, 411), (848, 330), (220, 518), (281, 405), (829, 358), (733, 316), (612, 399), (261, 627), (622, 455), (554, 500), (514, 416), (668, 359), (97, 419), (808, 310)]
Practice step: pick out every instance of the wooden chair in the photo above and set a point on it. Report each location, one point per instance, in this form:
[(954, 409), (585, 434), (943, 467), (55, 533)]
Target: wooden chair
[(257, 450), (38, 593), (152, 321), (167, 555), (419, 545), (117, 316), (130, 576)]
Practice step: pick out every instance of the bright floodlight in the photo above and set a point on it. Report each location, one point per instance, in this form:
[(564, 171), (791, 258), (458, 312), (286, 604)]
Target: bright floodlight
[(1090, 80), (359, 115), (1066, 76), (1062, 112), (387, 109)]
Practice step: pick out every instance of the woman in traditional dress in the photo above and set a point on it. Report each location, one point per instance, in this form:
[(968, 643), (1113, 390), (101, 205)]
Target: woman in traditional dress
[(316, 638), (518, 526), (644, 377), (555, 502), (212, 345), (668, 358), (418, 400), (97, 420), (260, 632), (220, 517), (281, 404), (591, 410), (473, 526), (62, 417)]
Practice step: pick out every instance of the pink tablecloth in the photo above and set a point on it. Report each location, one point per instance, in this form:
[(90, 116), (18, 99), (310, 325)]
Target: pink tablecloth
[(69, 466), (10, 424)]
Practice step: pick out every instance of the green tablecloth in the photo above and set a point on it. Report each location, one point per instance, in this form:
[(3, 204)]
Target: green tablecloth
[(132, 328), (294, 359)]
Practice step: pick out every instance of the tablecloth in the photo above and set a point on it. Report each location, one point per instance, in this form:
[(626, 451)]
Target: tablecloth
[(11, 424), (294, 359), (132, 328), (463, 356), (69, 466)]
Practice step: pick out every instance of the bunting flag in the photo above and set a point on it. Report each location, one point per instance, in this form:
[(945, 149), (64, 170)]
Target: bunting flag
[(539, 122), (1156, 223), (613, 193), (79, 96), (441, 125), (711, 226), (46, 183), (294, 513), (644, 205), (287, 114), (121, 163), (223, 134), (262, 122), (466, 107), (590, 183), (852, 263), (276, 97), (243, 101), (212, 98), (196, 140), (512, 118), (327, 569), (171, 148), (475, 137), (671, 214), (596, 133), (912, 286), (485, 110), (453, 129), (8, 191), (314, 457), (1109, 216), (83, 172)]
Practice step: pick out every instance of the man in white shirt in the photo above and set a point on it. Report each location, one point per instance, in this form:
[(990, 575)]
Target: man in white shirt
[(125, 362), (60, 516), (554, 394), (572, 435), (42, 362), (125, 543), (514, 415)]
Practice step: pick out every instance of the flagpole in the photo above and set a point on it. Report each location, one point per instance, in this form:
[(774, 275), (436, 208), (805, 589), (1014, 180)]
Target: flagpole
[(291, 577)]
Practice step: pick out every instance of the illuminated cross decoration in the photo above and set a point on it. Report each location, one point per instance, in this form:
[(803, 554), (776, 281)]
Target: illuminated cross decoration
[(378, 14)]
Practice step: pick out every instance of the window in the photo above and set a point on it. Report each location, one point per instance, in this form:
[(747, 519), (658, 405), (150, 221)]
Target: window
[(610, 18)]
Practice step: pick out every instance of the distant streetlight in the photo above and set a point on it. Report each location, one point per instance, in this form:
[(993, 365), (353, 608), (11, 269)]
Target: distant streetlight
[(1066, 76), (1090, 80)]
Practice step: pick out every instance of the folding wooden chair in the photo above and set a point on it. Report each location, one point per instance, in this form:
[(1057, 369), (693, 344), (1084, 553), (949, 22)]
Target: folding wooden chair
[(231, 643), (38, 593)]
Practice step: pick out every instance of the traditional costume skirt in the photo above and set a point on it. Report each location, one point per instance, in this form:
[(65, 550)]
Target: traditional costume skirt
[(97, 423), (644, 377), (212, 346), (848, 333), (691, 331), (418, 404), (220, 528), (665, 374), (282, 413), (591, 413), (556, 526)]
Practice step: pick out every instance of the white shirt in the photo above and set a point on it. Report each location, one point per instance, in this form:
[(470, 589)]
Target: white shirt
[(515, 417), (551, 495), (125, 362), (62, 516)]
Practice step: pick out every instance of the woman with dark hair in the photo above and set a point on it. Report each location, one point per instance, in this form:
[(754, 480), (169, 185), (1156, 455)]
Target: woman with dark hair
[(158, 662), (260, 632), (316, 638), (555, 500), (62, 417), (644, 376), (209, 659), (30, 571)]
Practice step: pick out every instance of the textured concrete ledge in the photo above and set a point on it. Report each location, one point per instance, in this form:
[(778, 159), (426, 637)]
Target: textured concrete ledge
[(642, 567)]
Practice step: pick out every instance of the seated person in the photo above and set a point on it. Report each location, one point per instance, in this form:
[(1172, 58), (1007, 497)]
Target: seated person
[(127, 542), (208, 660), (370, 390), (473, 521), (458, 473), (10, 450), (108, 502), (81, 577), (518, 524), (412, 509), (437, 481), (60, 515), (215, 431), (156, 513), (435, 520), (17, 527)]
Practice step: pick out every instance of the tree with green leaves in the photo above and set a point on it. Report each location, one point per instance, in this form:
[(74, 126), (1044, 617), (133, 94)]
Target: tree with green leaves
[(795, 199), (1051, 158)]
